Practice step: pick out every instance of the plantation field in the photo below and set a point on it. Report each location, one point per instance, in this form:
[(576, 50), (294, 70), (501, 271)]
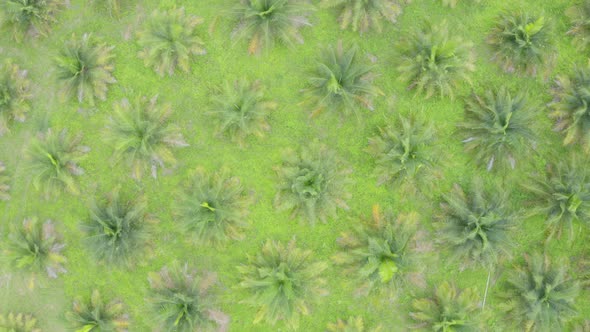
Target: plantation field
[(283, 73)]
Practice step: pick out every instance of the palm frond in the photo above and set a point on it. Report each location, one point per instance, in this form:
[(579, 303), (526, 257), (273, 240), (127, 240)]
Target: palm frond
[(94, 314), (15, 95), (18, 322), (365, 15), (579, 15), (4, 183), (29, 18)]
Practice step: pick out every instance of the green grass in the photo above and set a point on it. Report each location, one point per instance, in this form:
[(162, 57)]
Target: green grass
[(283, 71)]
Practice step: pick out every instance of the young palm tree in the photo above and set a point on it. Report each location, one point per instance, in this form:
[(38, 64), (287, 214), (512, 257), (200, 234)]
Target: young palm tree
[(85, 68), (497, 127), (4, 183), (351, 324), (476, 225), (448, 309), (214, 207), (579, 15), (312, 183), (15, 95), (36, 247), (562, 195), (169, 41), (90, 315), (116, 228), (570, 107), (521, 42), (378, 251), (18, 322), (264, 22), (433, 62), (364, 15), (342, 82), (141, 132), (401, 150), (539, 296), (28, 17), (242, 110), (53, 161), (182, 300), (284, 281)]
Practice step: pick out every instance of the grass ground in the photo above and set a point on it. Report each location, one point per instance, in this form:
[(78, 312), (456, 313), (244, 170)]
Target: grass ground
[(283, 71)]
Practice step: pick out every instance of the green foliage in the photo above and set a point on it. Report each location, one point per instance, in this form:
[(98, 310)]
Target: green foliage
[(264, 22), (433, 62), (14, 95), (521, 42), (498, 127), (169, 41), (579, 14), (214, 207), (53, 161), (28, 17), (182, 299), (4, 183), (113, 7), (476, 225), (18, 322), (538, 295), (562, 195), (341, 82), (312, 183), (84, 68), (36, 247), (448, 309), (95, 315), (242, 110), (116, 228), (141, 133), (402, 151), (364, 15), (352, 324), (453, 3), (570, 107), (283, 281), (378, 251)]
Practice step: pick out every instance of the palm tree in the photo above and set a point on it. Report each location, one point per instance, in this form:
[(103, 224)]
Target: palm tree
[(447, 309), (4, 183), (15, 95), (433, 62), (538, 295), (182, 299), (53, 161), (18, 322), (29, 17), (214, 207), (85, 68), (401, 150), (113, 7), (570, 107), (242, 110), (342, 82), (312, 183), (351, 324), (264, 22), (497, 127), (521, 42), (579, 15), (169, 41), (141, 133), (364, 15), (283, 281), (96, 315)]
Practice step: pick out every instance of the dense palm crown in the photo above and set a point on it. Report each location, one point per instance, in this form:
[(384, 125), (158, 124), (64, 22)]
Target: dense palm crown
[(169, 41), (562, 195), (448, 309), (14, 95), (540, 296), (214, 207), (242, 110), (571, 109), (433, 62), (341, 82), (312, 183), (18, 322), (364, 15), (96, 315), (141, 133), (4, 183), (579, 15), (84, 68), (497, 127), (401, 150), (284, 281), (521, 42), (29, 17), (263, 22)]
